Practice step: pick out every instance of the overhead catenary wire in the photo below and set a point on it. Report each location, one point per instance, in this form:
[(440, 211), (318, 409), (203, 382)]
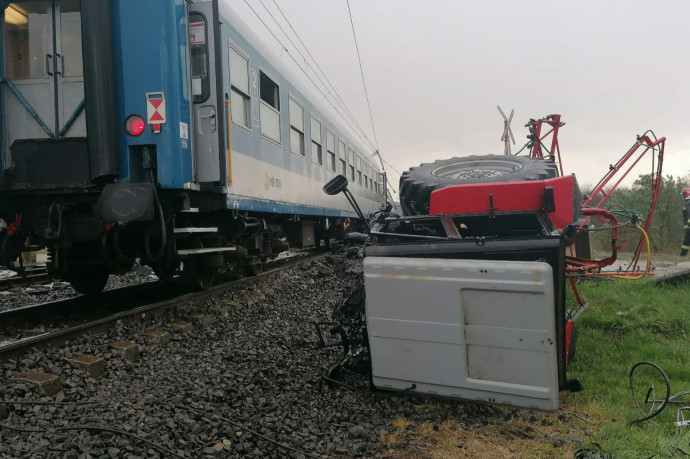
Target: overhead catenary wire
[(392, 168), (329, 87), (287, 51), (353, 124), (361, 70), (366, 92), (341, 102)]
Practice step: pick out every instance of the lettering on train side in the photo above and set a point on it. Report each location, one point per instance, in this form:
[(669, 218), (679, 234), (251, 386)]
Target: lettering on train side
[(272, 182)]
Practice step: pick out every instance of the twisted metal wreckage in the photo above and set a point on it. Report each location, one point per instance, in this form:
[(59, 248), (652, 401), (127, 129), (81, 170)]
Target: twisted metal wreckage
[(464, 295)]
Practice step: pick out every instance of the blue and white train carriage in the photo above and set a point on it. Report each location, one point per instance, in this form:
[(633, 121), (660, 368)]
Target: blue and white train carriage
[(170, 135)]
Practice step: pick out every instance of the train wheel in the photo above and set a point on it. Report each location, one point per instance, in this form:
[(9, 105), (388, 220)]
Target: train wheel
[(89, 281), (252, 267), (198, 277), (165, 272)]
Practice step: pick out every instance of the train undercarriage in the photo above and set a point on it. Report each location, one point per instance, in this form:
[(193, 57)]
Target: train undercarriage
[(174, 232)]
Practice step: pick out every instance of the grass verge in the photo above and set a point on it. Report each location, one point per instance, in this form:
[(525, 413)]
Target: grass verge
[(626, 322)]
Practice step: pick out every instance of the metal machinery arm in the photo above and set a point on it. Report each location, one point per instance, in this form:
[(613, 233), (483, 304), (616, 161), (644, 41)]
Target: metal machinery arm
[(593, 204), (541, 129), (537, 139)]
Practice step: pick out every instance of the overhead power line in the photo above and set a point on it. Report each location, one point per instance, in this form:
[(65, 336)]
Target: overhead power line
[(327, 85), (287, 51), (330, 85), (340, 100), (392, 168), (361, 70)]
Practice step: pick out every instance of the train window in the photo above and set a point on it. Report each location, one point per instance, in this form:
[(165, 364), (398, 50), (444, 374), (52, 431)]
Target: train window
[(296, 127), (359, 170), (342, 158), (316, 142), (352, 164), (70, 39), (198, 45), (330, 148), (239, 88), (270, 93), (25, 44), (270, 107)]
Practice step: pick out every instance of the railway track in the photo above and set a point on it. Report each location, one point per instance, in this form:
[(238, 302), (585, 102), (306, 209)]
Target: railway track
[(137, 303), (33, 275)]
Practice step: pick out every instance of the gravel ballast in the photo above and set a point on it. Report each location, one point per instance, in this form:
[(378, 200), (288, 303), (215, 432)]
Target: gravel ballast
[(59, 290), (254, 366)]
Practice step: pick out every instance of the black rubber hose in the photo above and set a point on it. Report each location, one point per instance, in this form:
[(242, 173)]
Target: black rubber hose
[(104, 245), (3, 251), (153, 445), (253, 432), (120, 255), (164, 236)]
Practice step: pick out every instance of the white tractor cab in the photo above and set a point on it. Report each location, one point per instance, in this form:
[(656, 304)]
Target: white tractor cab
[(467, 301)]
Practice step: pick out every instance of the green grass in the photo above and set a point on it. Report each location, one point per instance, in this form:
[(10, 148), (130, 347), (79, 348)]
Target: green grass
[(656, 256), (627, 322)]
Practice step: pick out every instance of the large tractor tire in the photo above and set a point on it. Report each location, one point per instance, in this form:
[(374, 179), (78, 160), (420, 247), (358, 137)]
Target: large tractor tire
[(417, 183)]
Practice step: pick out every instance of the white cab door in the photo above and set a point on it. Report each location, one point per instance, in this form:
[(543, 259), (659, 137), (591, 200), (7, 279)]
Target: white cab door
[(472, 329)]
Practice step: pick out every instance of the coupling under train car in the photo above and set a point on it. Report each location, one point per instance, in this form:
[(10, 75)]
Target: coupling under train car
[(172, 135)]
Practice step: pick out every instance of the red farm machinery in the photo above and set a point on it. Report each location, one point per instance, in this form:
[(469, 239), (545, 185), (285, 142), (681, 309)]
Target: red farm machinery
[(464, 294)]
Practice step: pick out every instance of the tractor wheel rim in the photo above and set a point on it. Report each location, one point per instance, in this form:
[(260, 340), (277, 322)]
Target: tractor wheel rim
[(477, 169)]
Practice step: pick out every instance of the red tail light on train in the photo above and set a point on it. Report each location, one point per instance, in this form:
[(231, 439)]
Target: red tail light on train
[(135, 125)]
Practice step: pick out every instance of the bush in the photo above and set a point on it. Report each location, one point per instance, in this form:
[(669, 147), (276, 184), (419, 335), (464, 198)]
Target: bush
[(666, 232)]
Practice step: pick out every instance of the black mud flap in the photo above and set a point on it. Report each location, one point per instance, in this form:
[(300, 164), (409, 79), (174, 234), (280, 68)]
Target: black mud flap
[(126, 202), (48, 164)]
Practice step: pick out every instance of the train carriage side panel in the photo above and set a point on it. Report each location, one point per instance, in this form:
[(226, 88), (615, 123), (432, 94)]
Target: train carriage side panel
[(152, 62), (267, 176)]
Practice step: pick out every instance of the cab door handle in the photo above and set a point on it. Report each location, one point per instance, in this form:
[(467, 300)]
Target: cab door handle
[(210, 115)]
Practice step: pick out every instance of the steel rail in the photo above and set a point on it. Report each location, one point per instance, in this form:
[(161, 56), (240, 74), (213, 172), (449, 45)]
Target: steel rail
[(28, 278), (172, 306)]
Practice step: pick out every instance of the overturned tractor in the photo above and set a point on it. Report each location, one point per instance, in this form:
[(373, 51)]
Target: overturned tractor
[(464, 295)]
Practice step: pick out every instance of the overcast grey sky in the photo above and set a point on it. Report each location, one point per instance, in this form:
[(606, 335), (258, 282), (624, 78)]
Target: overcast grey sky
[(436, 70)]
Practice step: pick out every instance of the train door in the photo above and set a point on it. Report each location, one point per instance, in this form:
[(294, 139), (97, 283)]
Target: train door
[(43, 71), (206, 116)]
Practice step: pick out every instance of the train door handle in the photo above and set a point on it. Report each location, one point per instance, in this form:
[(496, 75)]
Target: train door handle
[(62, 64), (212, 120), (49, 60)]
